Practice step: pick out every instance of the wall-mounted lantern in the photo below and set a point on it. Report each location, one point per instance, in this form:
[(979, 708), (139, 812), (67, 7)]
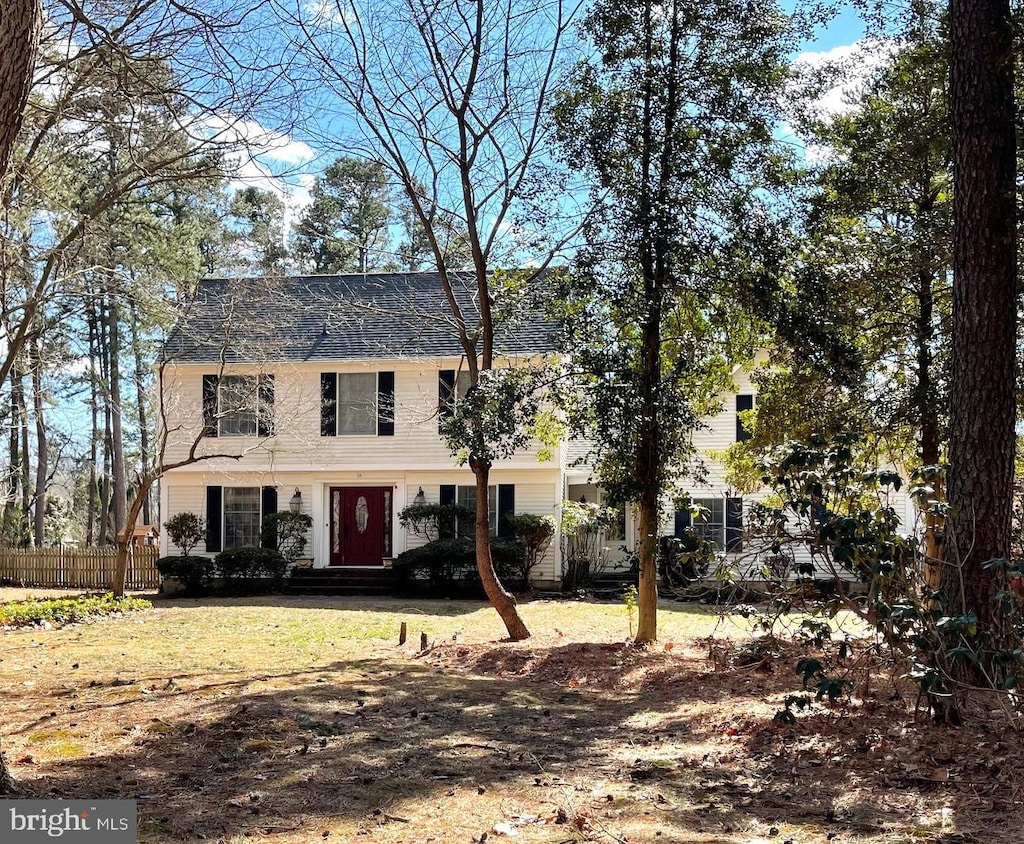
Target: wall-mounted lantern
[(420, 497), (295, 503)]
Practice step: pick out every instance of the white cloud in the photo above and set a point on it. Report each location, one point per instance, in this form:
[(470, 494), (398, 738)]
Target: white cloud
[(848, 66), (326, 12), (256, 138), (264, 158)]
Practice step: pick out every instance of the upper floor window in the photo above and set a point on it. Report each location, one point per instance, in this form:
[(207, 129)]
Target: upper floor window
[(744, 401), (353, 403), (452, 385), (238, 405)]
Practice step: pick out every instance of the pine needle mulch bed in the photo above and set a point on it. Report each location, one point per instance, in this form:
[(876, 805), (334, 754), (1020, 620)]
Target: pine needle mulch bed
[(300, 719)]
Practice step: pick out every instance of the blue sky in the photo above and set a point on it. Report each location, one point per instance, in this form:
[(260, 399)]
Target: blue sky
[(287, 164), (844, 29)]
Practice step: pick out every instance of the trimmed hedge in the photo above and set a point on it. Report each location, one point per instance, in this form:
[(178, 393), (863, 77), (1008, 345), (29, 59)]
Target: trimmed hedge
[(193, 572), (241, 566), (446, 568)]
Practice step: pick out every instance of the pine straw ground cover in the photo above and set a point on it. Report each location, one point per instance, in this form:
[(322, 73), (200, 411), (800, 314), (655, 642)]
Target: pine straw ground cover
[(301, 719)]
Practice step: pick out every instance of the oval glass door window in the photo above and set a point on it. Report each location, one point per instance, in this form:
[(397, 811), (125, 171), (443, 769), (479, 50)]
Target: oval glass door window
[(362, 514)]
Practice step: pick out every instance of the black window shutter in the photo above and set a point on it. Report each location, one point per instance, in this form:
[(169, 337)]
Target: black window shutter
[(214, 517), (684, 519), (385, 404), (744, 401), (447, 531), (328, 404), (269, 506), (445, 395), (209, 405), (506, 508), (733, 524), (265, 407)]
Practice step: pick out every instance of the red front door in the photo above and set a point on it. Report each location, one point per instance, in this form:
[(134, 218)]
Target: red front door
[(360, 525)]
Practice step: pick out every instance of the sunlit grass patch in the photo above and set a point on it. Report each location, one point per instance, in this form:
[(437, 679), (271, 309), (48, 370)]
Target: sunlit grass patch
[(57, 744)]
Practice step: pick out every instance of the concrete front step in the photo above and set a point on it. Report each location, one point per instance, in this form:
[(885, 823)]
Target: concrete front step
[(342, 581)]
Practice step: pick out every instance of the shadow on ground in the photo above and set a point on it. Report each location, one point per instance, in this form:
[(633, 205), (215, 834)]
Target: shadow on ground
[(581, 737)]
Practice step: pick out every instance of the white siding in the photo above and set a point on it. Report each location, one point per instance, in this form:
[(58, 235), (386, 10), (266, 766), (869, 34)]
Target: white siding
[(537, 491), (298, 445), (185, 499), (541, 499), (186, 492)]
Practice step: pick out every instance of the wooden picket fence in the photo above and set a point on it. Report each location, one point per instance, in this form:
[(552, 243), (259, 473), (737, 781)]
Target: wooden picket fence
[(77, 568)]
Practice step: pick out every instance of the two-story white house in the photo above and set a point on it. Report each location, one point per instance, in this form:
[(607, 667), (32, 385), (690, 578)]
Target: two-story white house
[(324, 394)]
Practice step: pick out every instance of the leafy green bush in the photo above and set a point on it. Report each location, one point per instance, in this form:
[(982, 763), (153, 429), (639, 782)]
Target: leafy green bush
[(274, 565), (185, 531), (241, 566), (683, 559), (447, 567), (437, 521), (535, 534), (583, 555), (288, 532), (193, 572), (59, 611), (845, 515)]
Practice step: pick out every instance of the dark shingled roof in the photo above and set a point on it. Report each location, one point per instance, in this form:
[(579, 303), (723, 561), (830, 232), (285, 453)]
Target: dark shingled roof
[(339, 317)]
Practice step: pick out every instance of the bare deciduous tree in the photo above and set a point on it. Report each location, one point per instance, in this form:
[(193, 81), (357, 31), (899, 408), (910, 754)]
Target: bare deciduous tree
[(452, 97)]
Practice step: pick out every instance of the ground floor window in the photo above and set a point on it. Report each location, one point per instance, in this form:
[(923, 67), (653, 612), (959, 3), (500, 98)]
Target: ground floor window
[(241, 517), (709, 523), (465, 496), (719, 520)]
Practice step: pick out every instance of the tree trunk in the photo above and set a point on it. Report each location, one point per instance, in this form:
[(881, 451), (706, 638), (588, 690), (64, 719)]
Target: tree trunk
[(140, 399), (91, 519), (982, 395), (653, 201), (648, 474), (20, 26), (25, 470), (500, 599), (42, 449), (647, 598), (103, 528), (13, 470), (649, 469), (119, 475), (929, 444), (124, 540)]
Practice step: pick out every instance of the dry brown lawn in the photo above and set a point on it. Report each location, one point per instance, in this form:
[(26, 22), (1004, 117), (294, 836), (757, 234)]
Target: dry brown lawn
[(293, 719)]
